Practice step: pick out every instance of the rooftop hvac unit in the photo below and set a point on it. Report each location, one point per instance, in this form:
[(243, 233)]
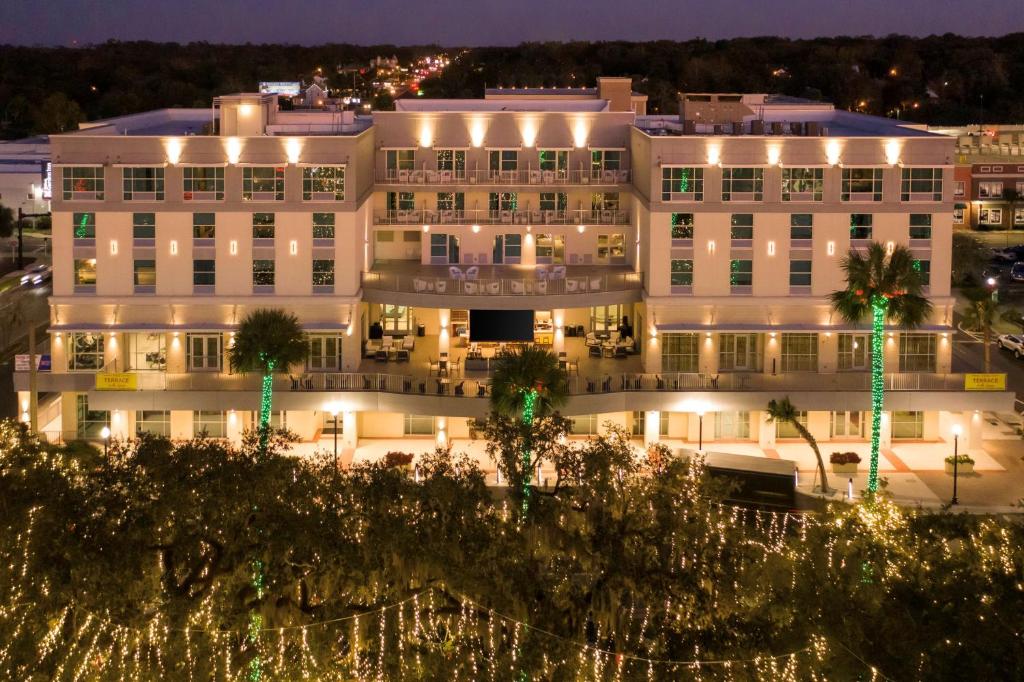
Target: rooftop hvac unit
[(796, 128), (813, 129), (737, 127), (757, 127), (689, 127), (719, 129), (776, 127)]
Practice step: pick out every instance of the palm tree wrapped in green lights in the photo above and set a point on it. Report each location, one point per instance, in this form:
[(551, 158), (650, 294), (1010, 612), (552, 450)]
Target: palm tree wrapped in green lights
[(881, 286), (268, 341), (528, 384)]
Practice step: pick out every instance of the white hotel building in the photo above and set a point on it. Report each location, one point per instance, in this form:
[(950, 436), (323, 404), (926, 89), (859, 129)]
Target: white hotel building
[(680, 263)]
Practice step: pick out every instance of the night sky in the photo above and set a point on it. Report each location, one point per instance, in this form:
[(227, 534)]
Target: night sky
[(489, 22)]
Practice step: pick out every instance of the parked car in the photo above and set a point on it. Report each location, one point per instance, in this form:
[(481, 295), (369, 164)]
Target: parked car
[(1011, 342), (37, 274), (1017, 272)]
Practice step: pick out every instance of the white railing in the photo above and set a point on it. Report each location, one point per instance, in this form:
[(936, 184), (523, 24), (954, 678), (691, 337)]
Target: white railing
[(475, 216), (527, 176), (504, 286)]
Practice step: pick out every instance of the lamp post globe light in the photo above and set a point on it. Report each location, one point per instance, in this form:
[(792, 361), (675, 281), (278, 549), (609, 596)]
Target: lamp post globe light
[(105, 435), (957, 429), (700, 429)]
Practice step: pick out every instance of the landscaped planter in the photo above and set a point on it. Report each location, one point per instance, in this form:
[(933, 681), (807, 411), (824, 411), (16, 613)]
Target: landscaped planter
[(850, 468), (961, 468)]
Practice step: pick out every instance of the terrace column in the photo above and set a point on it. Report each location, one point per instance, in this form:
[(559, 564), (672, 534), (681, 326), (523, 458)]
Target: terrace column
[(765, 431), (235, 427), (972, 425), (444, 316), (558, 318), (651, 353), (119, 425), (350, 429), (529, 256), (773, 354), (885, 438), (652, 430)]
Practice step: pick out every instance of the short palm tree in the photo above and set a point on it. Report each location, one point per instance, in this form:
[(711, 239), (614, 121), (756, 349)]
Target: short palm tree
[(528, 384), (784, 411), (881, 286), (980, 314), (268, 341)]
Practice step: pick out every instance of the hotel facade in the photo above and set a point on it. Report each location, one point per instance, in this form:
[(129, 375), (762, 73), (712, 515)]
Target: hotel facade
[(678, 265)]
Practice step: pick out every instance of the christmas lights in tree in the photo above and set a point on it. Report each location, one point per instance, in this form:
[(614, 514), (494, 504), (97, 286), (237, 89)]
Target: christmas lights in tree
[(879, 306)]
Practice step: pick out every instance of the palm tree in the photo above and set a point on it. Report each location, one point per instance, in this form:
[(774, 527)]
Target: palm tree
[(527, 384), (881, 286), (268, 341), (784, 411), (979, 315)]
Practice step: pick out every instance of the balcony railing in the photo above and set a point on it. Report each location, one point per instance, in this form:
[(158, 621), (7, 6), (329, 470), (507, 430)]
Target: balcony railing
[(427, 216), (504, 286), (461, 386), (530, 176)]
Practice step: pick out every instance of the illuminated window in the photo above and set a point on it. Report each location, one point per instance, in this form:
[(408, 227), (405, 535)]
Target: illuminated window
[(861, 225), (143, 225), (682, 225), (799, 352), (262, 272), (82, 183), (143, 184), (204, 225), (84, 225), (203, 183), (682, 272), (323, 273), (862, 184), (323, 226), (263, 183), (323, 183), (85, 351), (680, 352), (263, 225), (802, 184), (682, 184), (742, 184)]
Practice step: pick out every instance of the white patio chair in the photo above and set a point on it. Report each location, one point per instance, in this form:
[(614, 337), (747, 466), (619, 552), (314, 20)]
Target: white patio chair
[(472, 272), (494, 288), (455, 273), (471, 288), (441, 286)]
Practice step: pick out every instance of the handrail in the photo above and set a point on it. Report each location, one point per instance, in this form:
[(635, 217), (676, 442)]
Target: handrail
[(474, 216), (503, 286), (462, 386), (523, 176)]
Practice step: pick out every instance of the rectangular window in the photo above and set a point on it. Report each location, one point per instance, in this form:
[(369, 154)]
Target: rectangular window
[(991, 189), (682, 184), (846, 424), (502, 160), (143, 184), (323, 273), (263, 183), (604, 201), (553, 201), (958, 214), (419, 425), (605, 159), (860, 225), (680, 353), (682, 226), (204, 273), (204, 354), (907, 425), (451, 201), (921, 184), (262, 272), (146, 352), (799, 273), (323, 226), (801, 226), (503, 201), (917, 352), (786, 429), (741, 226), (584, 425), (155, 422), (204, 225), (209, 424), (739, 352), (323, 183), (145, 275), (741, 273), (920, 225), (84, 225), (143, 225), (959, 188), (85, 273), (400, 159), (640, 422), (862, 184), (799, 352), (1018, 216), (324, 353), (452, 161), (263, 225), (732, 425), (611, 247), (401, 201), (203, 183), (742, 184), (803, 184), (555, 161), (85, 351), (990, 216), (82, 183), (682, 272), (854, 351), (90, 422)]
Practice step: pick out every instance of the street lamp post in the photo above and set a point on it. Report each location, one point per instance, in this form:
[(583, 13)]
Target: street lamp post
[(334, 414), (991, 281), (105, 435), (956, 444), (700, 430)]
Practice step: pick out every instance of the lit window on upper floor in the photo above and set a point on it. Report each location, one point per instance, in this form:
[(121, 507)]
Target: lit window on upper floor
[(263, 183), (862, 184), (143, 183), (323, 226), (803, 184), (801, 226), (203, 183), (84, 225), (921, 184), (323, 183), (861, 226), (742, 184), (82, 183), (921, 226), (680, 183)]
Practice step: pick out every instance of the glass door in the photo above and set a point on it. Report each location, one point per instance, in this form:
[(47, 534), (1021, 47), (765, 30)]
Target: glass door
[(444, 249), (848, 424), (551, 249)]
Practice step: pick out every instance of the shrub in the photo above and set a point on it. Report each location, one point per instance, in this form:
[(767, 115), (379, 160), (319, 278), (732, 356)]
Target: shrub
[(960, 459), (398, 459), (844, 458)]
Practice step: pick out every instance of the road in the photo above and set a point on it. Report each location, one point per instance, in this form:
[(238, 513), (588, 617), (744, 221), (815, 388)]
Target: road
[(968, 356), (32, 308)]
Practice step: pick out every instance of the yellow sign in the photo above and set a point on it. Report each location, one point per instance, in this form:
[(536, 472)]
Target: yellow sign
[(985, 382), (120, 381)]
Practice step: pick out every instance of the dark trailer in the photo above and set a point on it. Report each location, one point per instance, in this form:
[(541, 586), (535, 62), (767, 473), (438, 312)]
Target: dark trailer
[(758, 481)]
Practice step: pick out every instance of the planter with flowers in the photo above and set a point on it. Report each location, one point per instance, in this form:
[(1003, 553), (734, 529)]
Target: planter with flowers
[(964, 464), (399, 460), (844, 462)]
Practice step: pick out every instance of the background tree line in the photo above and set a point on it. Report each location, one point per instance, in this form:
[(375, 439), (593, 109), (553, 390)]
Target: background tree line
[(951, 79)]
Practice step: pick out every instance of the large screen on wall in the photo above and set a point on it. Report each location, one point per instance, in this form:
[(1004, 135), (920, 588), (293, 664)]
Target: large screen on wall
[(501, 325)]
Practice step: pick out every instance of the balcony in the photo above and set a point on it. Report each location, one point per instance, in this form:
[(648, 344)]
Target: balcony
[(519, 285), (539, 178), (486, 217)]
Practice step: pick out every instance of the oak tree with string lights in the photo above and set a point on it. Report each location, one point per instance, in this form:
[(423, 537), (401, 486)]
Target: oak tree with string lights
[(882, 285)]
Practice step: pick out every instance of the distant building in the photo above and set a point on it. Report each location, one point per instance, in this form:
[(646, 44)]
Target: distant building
[(618, 92), (25, 174)]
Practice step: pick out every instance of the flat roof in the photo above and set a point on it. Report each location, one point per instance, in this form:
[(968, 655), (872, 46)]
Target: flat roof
[(459, 105), (834, 123), (184, 121)]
